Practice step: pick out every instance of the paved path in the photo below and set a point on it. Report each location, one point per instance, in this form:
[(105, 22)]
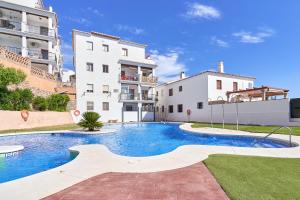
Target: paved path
[(193, 183)]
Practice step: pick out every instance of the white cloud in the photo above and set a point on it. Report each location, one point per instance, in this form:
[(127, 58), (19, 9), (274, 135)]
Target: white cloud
[(130, 29), (219, 42), (197, 10), (94, 11), (254, 38), (168, 65), (79, 20)]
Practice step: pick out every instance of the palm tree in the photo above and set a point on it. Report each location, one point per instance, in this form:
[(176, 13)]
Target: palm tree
[(90, 121)]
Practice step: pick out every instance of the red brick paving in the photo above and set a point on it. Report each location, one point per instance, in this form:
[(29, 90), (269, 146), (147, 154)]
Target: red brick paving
[(190, 183)]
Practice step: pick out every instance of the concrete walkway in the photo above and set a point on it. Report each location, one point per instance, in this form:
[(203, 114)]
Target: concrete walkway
[(96, 159), (194, 183)]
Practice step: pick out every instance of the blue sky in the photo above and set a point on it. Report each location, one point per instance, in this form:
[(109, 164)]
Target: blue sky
[(253, 37)]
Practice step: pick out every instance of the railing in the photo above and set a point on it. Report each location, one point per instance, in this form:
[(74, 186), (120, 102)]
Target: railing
[(147, 97), (129, 77), (16, 50), (12, 25), (149, 79), (148, 109), (127, 96), (276, 130), (38, 54), (40, 30)]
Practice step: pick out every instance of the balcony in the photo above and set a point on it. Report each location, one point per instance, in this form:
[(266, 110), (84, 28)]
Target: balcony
[(8, 24), (148, 97), (40, 54), (16, 50), (40, 30), (129, 78), (149, 79), (129, 97)]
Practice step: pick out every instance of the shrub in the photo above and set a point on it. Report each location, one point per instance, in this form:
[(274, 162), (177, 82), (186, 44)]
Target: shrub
[(10, 76), (40, 103), (58, 102), (19, 99), (90, 121)]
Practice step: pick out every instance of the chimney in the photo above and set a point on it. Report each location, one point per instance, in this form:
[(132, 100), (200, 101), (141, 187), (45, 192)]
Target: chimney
[(182, 75), (50, 9), (221, 67)]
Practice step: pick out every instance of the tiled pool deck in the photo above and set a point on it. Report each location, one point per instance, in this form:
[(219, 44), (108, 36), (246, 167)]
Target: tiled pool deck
[(94, 160)]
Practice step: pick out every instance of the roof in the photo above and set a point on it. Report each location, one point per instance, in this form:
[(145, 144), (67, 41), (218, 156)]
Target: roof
[(111, 37), (209, 72), (257, 92)]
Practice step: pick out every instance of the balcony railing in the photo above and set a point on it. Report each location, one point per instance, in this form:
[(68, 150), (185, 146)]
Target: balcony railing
[(149, 79), (15, 25), (16, 50), (39, 54), (129, 78), (8, 24), (127, 96), (148, 97), (147, 108), (40, 30)]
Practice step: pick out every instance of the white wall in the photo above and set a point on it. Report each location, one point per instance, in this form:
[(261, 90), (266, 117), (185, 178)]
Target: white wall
[(147, 116), (130, 116), (227, 85), (273, 112), (28, 3), (194, 90)]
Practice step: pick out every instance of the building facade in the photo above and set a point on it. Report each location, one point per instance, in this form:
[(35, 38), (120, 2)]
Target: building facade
[(193, 94), (29, 29), (113, 77)]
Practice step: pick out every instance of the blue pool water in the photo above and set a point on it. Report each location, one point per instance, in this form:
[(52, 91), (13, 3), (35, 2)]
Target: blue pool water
[(46, 151)]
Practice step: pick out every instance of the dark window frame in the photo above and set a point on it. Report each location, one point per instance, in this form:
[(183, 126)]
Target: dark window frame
[(180, 108)]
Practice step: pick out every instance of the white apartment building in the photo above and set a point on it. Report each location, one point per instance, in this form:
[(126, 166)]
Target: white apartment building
[(114, 77), (193, 93), (29, 29), (218, 97)]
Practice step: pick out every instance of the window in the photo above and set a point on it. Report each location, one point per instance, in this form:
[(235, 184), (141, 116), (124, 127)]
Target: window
[(90, 88), (157, 108), (163, 109), (105, 48), (179, 108), (105, 89), (200, 105), (171, 109), (180, 88), (89, 105), (105, 106), (89, 67), (170, 92), (219, 85), (89, 46), (124, 52), (105, 68), (235, 86), (250, 85)]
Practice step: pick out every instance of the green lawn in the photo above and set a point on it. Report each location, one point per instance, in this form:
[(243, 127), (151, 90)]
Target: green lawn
[(249, 128), (256, 178), (46, 128)]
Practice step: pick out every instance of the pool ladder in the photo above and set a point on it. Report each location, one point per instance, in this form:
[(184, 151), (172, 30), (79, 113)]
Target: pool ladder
[(276, 130)]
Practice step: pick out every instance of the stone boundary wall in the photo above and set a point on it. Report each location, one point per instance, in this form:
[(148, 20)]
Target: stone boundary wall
[(13, 120)]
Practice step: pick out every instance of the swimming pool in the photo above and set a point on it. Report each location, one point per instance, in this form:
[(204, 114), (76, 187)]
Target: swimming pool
[(46, 151)]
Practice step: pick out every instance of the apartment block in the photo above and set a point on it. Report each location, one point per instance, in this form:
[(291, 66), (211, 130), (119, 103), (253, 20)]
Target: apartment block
[(29, 29), (114, 77)]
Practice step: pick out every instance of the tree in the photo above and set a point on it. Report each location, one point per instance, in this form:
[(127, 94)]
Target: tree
[(90, 121), (9, 76)]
